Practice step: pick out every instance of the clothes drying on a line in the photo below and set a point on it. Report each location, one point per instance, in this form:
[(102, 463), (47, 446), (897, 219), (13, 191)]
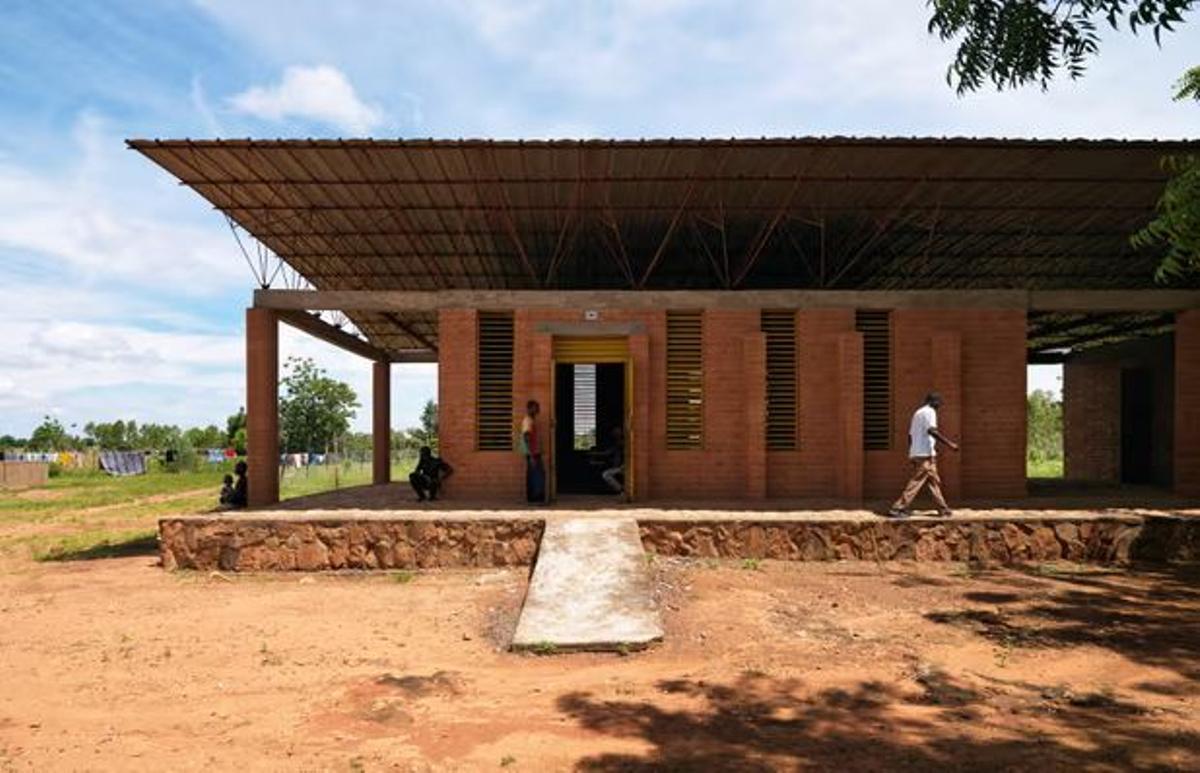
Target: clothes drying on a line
[(123, 462)]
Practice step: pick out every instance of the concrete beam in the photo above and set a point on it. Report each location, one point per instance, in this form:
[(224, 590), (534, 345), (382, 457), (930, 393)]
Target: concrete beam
[(319, 328), (428, 301)]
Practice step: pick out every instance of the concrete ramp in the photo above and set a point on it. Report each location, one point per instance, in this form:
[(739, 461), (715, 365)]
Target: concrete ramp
[(590, 589)]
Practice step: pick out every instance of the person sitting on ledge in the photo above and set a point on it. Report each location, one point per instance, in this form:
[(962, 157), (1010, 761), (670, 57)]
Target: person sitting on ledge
[(239, 497), (427, 478)]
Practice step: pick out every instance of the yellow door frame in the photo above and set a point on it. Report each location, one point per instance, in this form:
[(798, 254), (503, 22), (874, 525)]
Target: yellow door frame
[(593, 350)]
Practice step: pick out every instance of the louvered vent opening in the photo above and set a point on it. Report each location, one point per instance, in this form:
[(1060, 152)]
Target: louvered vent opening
[(685, 379), (779, 328), (494, 398), (876, 329)]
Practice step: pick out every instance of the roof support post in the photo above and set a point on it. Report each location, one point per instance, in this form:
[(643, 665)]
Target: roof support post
[(1187, 403), (262, 406), (381, 423)]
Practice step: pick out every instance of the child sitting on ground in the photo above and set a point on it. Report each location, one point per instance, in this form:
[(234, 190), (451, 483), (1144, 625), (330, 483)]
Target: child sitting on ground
[(227, 491)]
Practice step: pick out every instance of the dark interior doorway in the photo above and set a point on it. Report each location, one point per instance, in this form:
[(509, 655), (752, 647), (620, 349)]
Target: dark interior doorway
[(1137, 425), (589, 403)]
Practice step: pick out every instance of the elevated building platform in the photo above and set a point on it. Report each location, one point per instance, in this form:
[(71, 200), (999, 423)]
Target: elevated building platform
[(378, 527)]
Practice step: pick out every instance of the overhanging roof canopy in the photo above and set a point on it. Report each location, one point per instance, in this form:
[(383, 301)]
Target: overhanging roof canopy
[(817, 213)]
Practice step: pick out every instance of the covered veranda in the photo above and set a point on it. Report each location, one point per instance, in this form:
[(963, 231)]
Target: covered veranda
[(367, 244)]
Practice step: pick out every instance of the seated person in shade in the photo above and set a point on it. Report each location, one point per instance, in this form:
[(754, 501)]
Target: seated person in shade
[(428, 477), (227, 491), (614, 462), (239, 497)]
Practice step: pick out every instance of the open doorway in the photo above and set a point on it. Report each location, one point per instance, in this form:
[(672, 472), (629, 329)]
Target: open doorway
[(1137, 425), (589, 409)]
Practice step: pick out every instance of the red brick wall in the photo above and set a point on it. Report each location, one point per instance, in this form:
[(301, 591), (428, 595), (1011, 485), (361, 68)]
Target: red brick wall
[(1092, 388), (812, 469), (851, 467), (987, 369), (718, 471), (1187, 403), (989, 412), (477, 474), (754, 352), (1092, 421)]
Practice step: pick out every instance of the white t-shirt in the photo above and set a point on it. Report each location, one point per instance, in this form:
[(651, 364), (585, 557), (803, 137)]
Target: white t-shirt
[(920, 441)]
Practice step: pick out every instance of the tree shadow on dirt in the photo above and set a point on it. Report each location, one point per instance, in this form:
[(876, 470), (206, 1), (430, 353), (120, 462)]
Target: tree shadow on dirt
[(1147, 614), (936, 723), (134, 546)]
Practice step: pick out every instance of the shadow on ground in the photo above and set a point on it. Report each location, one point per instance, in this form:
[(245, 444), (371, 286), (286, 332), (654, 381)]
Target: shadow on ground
[(1145, 613), (931, 723), (135, 546)]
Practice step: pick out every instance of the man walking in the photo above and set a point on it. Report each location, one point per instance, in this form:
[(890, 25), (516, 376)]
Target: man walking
[(535, 473), (923, 436)]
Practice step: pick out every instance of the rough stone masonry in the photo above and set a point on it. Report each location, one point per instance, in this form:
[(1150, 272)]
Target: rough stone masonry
[(306, 543)]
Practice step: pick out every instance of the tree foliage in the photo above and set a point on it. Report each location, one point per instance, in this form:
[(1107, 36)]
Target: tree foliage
[(314, 409), (427, 433), (1013, 43), (1176, 224), (1045, 426), (235, 430), (50, 435), (205, 437)]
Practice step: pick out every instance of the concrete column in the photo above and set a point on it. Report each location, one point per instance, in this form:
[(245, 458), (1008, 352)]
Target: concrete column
[(849, 447), (946, 359), (262, 406), (754, 373), (1187, 403), (381, 423)]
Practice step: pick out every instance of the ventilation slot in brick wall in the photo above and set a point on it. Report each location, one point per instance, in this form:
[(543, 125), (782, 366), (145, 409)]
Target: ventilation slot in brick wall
[(685, 379), (876, 329), (494, 398), (779, 328)]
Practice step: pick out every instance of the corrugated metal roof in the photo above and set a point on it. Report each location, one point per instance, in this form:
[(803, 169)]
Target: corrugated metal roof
[(805, 212)]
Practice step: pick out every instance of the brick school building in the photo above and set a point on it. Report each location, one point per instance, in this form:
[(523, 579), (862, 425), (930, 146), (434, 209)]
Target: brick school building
[(758, 317)]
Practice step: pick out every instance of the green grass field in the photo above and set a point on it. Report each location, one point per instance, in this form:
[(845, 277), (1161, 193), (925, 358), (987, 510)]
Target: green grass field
[(1047, 468), (90, 514)]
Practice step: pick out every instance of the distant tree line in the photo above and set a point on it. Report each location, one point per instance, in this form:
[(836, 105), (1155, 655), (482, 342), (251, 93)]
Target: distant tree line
[(314, 417)]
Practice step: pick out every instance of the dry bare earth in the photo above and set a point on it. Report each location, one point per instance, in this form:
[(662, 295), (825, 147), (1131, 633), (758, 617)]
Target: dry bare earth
[(115, 664)]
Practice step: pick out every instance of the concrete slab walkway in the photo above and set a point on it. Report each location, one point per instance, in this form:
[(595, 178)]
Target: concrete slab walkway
[(590, 589)]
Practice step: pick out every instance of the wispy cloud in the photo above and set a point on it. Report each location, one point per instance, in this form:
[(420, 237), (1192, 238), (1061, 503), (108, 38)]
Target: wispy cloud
[(321, 93), (108, 216)]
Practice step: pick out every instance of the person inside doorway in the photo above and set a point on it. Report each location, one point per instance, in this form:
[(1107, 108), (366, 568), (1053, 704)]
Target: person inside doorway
[(535, 471), (613, 460), (923, 437), (429, 474)]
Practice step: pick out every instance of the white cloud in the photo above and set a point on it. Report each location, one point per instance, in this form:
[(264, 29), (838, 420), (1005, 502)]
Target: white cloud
[(321, 93), (110, 215), (630, 68)]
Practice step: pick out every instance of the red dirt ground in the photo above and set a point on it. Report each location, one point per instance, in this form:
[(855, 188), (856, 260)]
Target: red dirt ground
[(115, 664)]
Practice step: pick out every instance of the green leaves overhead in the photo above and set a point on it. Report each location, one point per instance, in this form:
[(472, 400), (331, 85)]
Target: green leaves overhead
[(1176, 225), (1014, 43)]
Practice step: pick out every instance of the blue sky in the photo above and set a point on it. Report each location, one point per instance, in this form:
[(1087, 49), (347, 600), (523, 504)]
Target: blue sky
[(122, 294)]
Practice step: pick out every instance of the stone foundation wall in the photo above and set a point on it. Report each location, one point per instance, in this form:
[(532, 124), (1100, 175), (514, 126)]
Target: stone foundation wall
[(245, 544), (1000, 541), (240, 543)]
